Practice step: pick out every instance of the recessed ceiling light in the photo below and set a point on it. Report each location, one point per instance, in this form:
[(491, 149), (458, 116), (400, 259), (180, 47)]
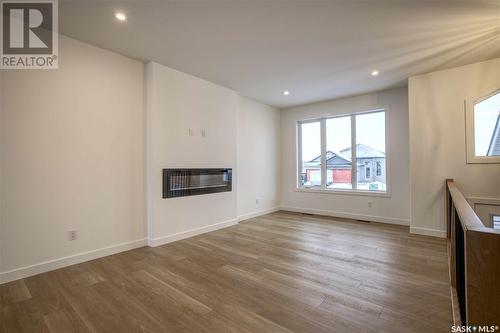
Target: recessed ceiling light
[(120, 16), (286, 93), (374, 73)]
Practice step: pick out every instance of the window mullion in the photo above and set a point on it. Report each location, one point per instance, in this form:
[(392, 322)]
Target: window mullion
[(299, 154), (354, 166), (323, 153)]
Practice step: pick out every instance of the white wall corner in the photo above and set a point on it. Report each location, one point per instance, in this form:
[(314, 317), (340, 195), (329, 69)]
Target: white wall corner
[(148, 183)]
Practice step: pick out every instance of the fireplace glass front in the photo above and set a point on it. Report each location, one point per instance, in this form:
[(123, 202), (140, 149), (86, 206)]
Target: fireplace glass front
[(186, 182)]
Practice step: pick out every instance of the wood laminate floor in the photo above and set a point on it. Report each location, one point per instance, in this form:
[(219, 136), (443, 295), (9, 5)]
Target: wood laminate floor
[(282, 272)]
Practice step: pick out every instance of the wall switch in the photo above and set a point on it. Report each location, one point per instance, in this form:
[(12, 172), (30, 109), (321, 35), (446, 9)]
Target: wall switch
[(256, 201), (190, 132), (370, 204), (203, 133), (72, 235)]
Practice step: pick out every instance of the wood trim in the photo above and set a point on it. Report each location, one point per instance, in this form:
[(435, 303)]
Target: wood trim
[(455, 311), (468, 217), (451, 251), (482, 273), (481, 249), (447, 211)]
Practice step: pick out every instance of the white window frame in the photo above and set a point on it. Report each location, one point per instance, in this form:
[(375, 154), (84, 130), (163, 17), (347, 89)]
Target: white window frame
[(299, 152), (354, 176), (469, 103)]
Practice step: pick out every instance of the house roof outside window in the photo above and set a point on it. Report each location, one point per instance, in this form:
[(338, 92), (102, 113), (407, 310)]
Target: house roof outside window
[(343, 158), (332, 159), (363, 151)]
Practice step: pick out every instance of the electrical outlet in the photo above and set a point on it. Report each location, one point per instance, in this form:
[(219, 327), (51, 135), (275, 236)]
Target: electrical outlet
[(72, 235), (370, 204)]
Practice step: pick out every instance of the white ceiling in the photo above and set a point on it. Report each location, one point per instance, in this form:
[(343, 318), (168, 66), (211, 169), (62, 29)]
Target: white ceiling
[(315, 49)]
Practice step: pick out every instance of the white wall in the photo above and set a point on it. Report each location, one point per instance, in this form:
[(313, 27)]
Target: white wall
[(258, 158), (177, 102), (71, 159), (393, 209), (437, 141)]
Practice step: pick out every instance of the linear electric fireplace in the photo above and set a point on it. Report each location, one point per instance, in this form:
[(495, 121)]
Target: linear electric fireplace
[(185, 182)]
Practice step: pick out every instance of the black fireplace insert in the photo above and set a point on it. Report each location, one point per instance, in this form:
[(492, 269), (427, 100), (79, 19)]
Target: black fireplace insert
[(185, 182)]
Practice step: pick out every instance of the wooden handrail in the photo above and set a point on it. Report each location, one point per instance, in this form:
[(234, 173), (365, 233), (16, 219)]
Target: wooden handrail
[(468, 218), (474, 261)]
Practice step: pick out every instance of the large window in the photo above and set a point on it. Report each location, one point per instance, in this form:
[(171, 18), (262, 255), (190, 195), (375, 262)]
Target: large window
[(344, 153)]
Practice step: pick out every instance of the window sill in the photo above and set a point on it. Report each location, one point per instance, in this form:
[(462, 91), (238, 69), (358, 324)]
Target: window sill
[(483, 160), (344, 192)]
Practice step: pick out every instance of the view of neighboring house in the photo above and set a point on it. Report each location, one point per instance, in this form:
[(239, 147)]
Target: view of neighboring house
[(370, 166), (494, 147), (338, 169)]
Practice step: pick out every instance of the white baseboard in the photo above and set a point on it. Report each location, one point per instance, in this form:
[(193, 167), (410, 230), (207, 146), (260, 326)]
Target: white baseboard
[(258, 213), (428, 232), (372, 218), (190, 233), (50, 265)]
